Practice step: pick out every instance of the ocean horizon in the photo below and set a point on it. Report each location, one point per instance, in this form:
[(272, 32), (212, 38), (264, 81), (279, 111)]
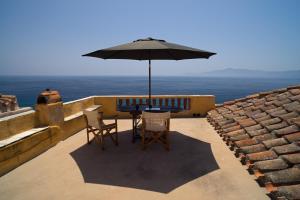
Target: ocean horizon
[(27, 88)]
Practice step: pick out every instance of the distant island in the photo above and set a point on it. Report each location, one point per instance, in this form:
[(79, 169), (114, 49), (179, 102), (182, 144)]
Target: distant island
[(247, 73)]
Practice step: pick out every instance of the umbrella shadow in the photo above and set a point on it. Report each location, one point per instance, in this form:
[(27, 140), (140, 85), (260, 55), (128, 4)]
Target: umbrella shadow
[(153, 169)]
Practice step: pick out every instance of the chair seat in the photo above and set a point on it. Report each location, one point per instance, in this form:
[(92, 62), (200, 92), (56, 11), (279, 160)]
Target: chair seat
[(156, 129)]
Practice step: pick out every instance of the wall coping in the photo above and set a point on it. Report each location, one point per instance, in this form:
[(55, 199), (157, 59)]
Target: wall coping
[(16, 115), (154, 95), (78, 100)]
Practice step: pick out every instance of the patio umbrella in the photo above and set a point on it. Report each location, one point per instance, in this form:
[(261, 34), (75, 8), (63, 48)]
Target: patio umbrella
[(150, 49)]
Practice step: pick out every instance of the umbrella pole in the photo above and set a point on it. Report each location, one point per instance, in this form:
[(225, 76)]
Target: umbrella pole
[(150, 104)]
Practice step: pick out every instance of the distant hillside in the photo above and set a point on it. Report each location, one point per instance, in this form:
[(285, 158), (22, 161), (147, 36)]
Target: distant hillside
[(231, 72)]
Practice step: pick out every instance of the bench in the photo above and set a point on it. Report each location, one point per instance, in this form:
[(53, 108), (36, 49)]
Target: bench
[(171, 103)]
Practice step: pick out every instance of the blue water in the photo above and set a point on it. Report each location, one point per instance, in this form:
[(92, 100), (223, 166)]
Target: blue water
[(27, 88)]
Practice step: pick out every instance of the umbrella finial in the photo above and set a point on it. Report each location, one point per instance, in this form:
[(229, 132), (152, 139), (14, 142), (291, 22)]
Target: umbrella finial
[(149, 39)]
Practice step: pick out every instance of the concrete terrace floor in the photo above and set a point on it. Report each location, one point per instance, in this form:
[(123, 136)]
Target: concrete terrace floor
[(198, 166)]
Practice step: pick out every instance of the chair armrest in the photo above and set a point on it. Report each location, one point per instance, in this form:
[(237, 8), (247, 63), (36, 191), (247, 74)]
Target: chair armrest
[(116, 118)]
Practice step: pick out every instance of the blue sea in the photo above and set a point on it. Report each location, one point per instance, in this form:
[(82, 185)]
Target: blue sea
[(27, 88)]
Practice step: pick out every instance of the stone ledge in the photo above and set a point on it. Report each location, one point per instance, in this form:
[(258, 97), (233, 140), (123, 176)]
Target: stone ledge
[(29, 145), (20, 136), (14, 112)]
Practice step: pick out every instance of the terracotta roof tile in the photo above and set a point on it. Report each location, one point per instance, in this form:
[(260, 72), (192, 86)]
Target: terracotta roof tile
[(293, 137), (246, 122), (232, 128), (239, 137), (286, 149), (229, 125), (254, 127), (294, 98), (284, 177), (262, 118), (294, 91), (251, 149), (258, 101), (235, 133), (295, 121), (238, 118), (291, 106), (259, 115), (245, 105), (252, 96), (270, 165), (274, 142), (280, 90), (229, 115), (266, 108), (271, 97), (240, 100), (246, 142), (275, 109), (264, 155), (270, 121), (282, 102), (225, 121), (284, 96), (264, 137), (265, 93), (292, 158), (276, 126), (253, 133), (286, 130), (278, 113), (289, 115), (286, 192), (254, 110)]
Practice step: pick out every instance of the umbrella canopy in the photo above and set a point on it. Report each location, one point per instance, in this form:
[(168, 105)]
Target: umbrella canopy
[(150, 49)]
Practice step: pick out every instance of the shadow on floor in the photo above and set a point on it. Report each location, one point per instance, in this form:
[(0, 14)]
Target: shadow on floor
[(153, 169)]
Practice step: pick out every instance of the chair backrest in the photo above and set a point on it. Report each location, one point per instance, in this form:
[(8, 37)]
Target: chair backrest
[(93, 118), (156, 121)]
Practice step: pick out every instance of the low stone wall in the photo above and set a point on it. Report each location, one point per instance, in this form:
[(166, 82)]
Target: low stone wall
[(200, 104), (19, 152), (73, 107), (12, 125)]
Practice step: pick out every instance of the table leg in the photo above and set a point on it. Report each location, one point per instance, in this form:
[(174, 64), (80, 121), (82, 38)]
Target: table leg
[(133, 129)]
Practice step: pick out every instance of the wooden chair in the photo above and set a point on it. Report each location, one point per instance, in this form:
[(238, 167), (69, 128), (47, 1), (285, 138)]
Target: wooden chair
[(96, 125), (155, 128)]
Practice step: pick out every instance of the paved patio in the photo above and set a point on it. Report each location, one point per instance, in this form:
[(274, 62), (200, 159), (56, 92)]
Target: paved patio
[(198, 166)]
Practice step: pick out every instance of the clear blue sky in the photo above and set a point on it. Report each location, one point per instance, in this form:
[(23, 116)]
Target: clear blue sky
[(49, 37)]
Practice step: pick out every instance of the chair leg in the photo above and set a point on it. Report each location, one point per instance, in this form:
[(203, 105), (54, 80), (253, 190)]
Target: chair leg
[(117, 139), (88, 131), (167, 142), (88, 138), (102, 140)]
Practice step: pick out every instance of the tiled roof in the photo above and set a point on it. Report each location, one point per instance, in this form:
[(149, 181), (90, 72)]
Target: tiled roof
[(264, 132)]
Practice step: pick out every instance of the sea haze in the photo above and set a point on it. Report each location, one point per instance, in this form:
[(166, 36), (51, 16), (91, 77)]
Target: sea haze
[(27, 88)]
